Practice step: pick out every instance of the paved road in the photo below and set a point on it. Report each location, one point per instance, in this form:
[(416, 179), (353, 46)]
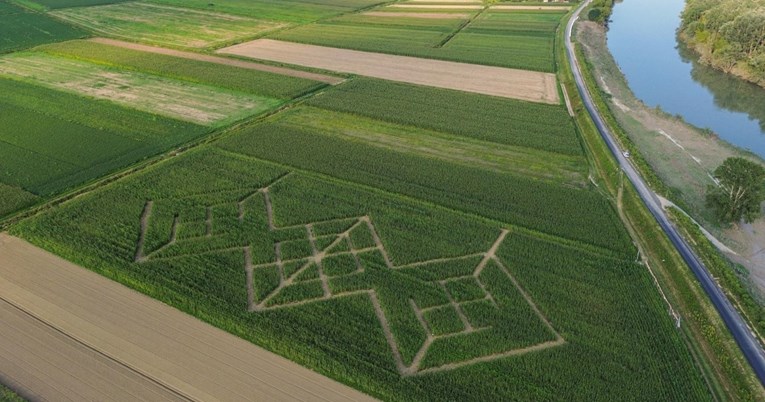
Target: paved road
[(70, 334), (733, 320)]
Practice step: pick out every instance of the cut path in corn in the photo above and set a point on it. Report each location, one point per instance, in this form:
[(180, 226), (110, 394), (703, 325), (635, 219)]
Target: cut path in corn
[(79, 336)]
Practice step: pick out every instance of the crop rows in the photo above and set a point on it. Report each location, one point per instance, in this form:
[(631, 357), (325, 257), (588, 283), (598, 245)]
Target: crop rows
[(505, 121), (222, 76), (524, 42), (20, 29), (578, 214), (605, 309), (52, 145), (296, 11)]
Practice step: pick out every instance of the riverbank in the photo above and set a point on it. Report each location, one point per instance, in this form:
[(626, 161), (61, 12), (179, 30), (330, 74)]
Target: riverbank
[(681, 155), (703, 52)]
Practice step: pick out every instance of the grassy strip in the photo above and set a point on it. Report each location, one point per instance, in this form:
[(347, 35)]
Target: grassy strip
[(716, 353), (487, 118), (732, 277), (218, 75)]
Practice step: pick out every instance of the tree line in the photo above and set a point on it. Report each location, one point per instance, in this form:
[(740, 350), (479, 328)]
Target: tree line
[(729, 35)]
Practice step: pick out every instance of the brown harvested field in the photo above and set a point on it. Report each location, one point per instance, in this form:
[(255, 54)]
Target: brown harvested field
[(220, 60), (417, 15), (497, 81), (520, 8), (439, 6), (75, 335)]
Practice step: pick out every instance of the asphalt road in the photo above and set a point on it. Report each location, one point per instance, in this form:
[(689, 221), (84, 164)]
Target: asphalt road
[(745, 339), (69, 334)]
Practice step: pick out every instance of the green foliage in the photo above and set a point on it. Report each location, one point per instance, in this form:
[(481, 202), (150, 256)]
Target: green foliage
[(223, 76), (21, 29), (527, 124), (554, 209), (443, 320), (518, 40), (56, 4), (14, 198), (739, 191), (6, 395), (600, 11), (733, 278), (84, 146), (729, 33)]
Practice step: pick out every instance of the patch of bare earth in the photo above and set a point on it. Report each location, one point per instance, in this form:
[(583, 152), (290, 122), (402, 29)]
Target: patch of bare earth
[(682, 156), (434, 16), (526, 85), (220, 60), (70, 334)]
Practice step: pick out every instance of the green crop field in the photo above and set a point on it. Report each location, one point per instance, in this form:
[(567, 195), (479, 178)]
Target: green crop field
[(21, 29), (519, 323), (138, 104), (56, 4), (298, 11), (519, 40), (412, 242), (165, 25), (233, 78)]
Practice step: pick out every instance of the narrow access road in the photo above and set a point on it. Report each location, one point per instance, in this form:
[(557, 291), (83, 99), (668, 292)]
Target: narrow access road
[(69, 334), (745, 339)]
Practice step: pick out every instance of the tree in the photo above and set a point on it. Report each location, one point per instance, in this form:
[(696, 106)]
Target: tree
[(740, 190)]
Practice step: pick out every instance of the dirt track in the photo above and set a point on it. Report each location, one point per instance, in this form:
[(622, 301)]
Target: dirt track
[(220, 60), (505, 82), (438, 6), (75, 335)]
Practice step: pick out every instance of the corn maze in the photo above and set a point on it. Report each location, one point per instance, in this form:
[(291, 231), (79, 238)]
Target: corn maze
[(333, 266)]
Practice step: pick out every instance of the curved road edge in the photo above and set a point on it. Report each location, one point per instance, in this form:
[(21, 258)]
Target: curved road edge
[(741, 333)]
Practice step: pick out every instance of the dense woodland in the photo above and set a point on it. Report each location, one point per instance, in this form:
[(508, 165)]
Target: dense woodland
[(729, 35)]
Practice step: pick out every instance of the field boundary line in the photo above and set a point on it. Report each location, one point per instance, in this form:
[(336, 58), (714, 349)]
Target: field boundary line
[(249, 65), (460, 28)]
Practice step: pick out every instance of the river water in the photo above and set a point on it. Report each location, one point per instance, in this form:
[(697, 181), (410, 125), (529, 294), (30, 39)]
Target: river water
[(663, 72)]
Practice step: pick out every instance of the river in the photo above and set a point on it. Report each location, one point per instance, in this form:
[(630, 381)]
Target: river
[(663, 72)]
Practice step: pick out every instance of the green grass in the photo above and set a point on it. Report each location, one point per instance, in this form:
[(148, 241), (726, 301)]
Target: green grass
[(14, 198), (196, 103), (524, 40), (6, 395), (222, 76), (504, 121), (448, 147), (21, 29), (169, 26), (56, 4), (606, 309), (555, 209), (279, 10), (50, 145)]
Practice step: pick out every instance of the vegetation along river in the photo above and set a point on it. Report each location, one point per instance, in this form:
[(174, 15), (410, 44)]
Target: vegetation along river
[(662, 72)]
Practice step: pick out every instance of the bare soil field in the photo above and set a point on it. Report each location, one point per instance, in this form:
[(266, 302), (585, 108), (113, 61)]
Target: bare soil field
[(79, 336), (417, 15), (223, 60), (543, 8), (439, 6), (504, 82)]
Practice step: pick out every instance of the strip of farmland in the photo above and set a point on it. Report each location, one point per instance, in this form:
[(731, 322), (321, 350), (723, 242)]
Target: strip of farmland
[(509, 83), (126, 346), (194, 103), (435, 16)]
